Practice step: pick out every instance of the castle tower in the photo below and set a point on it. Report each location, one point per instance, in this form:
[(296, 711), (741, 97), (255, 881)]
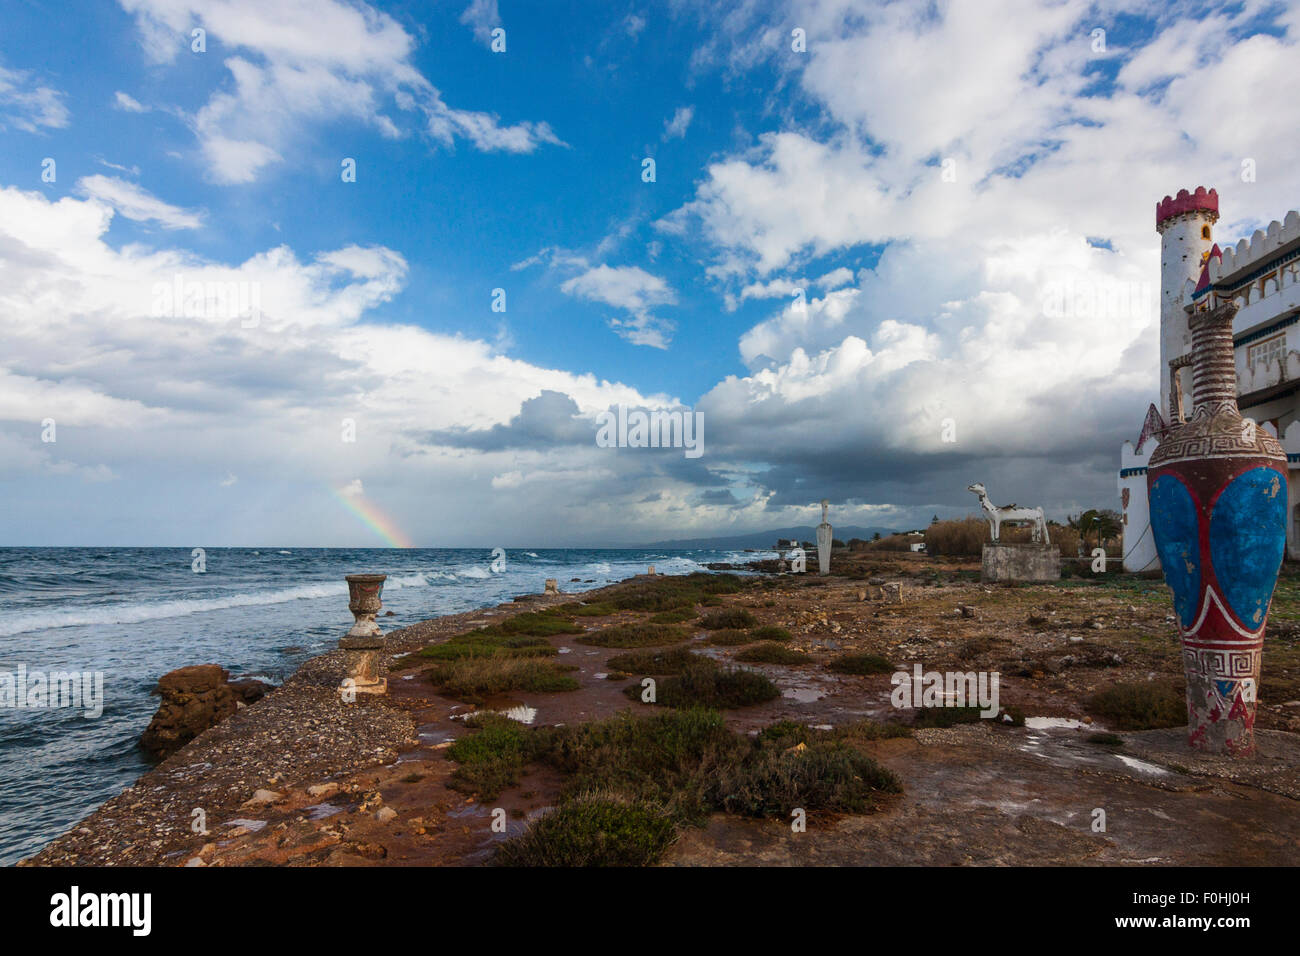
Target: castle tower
[(1185, 223)]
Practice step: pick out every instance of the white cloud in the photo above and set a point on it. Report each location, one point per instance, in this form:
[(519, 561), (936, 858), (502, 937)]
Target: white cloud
[(297, 63), (482, 16), (28, 105), (128, 103), (675, 127), (136, 203), (635, 291), (169, 401)]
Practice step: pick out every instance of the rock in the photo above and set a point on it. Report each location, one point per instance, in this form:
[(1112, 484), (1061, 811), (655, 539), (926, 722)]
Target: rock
[(261, 798), (965, 610), (321, 790), (193, 699), (385, 814), (195, 861)]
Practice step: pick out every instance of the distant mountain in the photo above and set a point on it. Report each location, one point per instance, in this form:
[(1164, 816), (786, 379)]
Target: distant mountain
[(765, 539)]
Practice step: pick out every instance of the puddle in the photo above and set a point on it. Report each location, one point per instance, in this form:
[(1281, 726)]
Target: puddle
[(251, 825), (1057, 723), (435, 736), (599, 676), (804, 695), (1141, 766), (319, 811), (566, 650)]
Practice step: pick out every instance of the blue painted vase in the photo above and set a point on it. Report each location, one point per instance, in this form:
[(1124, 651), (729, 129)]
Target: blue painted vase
[(1217, 486)]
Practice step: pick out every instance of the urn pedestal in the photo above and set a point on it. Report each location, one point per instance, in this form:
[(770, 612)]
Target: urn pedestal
[(365, 642), (1217, 488)]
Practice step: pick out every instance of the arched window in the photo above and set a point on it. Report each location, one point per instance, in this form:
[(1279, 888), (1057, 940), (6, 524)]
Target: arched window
[(1205, 231)]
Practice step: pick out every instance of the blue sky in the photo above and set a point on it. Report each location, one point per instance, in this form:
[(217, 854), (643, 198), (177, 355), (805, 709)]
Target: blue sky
[(776, 169)]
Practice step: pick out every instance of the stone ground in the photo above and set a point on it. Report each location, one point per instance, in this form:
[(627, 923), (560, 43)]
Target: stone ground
[(302, 779)]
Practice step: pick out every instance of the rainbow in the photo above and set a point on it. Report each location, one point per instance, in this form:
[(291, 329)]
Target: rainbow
[(373, 518)]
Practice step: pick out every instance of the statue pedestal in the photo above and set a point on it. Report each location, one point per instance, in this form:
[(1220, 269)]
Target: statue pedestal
[(824, 548), (1020, 562)]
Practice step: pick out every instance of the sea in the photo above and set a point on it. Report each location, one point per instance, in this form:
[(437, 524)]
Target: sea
[(133, 614)]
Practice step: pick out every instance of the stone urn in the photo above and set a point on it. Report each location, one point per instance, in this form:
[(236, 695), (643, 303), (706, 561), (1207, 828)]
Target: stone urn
[(365, 642), (1218, 492)]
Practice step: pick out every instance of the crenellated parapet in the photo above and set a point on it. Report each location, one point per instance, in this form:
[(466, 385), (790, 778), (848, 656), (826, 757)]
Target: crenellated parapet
[(1202, 201), (1256, 251)]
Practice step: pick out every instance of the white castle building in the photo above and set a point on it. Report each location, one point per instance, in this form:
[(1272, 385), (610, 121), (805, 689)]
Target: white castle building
[(1261, 275)]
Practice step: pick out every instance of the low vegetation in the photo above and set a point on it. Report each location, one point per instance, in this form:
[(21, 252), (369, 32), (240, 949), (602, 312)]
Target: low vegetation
[(658, 663), (1140, 706), (727, 617), (474, 678), (670, 592), (730, 637), (861, 664), (770, 632), (632, 782), (712, 687), (640, 634), (770, 652)]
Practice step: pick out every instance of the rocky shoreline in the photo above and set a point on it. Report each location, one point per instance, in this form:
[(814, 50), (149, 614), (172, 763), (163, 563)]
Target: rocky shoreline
[(302, 735), (301, 778)]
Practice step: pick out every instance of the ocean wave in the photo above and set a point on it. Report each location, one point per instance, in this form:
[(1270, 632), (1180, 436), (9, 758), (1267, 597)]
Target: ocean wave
[(139, 613), (473, 571)]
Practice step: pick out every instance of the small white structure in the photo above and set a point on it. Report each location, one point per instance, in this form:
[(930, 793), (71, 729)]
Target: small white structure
[(996, 515), (824, 541)]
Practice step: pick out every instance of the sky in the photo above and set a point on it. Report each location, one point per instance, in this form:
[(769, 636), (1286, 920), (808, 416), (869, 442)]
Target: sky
[(879, 251)]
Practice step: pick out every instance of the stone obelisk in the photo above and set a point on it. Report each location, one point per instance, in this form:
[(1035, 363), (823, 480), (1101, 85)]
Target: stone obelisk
[(824, 540)]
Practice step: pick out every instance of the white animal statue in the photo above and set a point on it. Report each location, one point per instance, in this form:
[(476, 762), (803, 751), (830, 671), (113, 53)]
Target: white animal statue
[(998, 515)]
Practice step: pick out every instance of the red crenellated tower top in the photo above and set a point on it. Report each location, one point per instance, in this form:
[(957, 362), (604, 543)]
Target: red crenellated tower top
[(1203, 200)]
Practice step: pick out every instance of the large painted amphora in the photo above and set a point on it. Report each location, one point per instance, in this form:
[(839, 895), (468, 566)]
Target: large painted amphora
[(1218, 492)]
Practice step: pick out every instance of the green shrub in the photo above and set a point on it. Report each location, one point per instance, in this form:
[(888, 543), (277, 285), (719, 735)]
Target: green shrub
[(727, 617), (712, 687), (592, 831), (641, 634), (1140, 706), (770, 632), (861, 664), (830, 776), (672, 661), (474, 678), (770, 652)]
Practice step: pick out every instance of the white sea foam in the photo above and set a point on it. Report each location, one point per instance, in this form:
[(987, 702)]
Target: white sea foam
[(138, 613)]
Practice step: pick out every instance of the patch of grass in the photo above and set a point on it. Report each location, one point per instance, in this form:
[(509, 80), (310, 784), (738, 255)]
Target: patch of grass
[(771, 632), (790, 733), (770, 652), (639, 634), (946, 716), (592, 831), (1140, 706), (672, 661), (632, 782), (1106, 740), (668, 592), (532, 623), (730, 637), (861, 664), (481, 645), (677, 616), (595, 609), (492, 759), (727, 617), (474, 678), (712, 687), (828, 776)]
